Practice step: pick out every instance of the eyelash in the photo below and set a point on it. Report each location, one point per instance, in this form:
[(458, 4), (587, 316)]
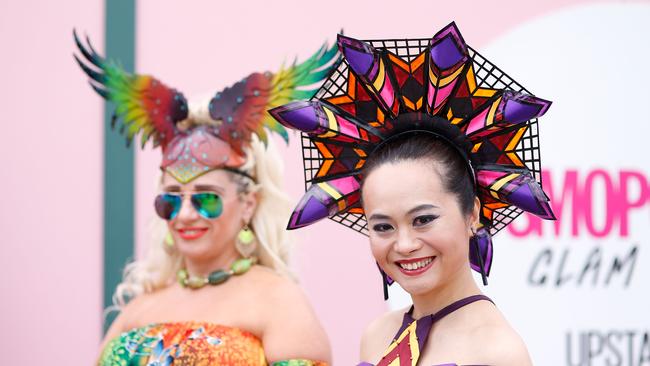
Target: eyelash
[(418, 221), (382, 228), (426, 218)]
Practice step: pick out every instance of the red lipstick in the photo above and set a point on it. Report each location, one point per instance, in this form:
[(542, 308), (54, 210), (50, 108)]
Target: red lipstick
[(415, 266), (191, 233)]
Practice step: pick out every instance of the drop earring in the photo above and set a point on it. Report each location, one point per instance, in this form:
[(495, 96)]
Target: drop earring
[(246, 242), (168, 243), (386, 281), (480, 252)]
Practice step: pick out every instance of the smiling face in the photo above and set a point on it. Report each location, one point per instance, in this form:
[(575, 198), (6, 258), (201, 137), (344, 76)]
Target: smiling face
[(418, 232), (201, 239)]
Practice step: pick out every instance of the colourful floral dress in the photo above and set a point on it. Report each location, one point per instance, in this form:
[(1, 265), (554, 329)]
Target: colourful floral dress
[(188, 343)]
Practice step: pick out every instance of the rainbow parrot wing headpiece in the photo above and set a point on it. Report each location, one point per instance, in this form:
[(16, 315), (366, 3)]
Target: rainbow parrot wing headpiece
[(142, 103), (241, 109), (218, 137), (385, 88)]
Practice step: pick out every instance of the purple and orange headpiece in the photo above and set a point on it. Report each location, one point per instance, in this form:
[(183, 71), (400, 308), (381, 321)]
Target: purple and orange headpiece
[(215, 139), (385, 88)]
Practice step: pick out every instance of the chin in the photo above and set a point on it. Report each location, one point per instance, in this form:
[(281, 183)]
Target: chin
[(418, 288), (420, 285), (194, 249)]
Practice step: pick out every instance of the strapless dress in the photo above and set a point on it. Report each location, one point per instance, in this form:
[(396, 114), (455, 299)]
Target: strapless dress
[(189, 343)]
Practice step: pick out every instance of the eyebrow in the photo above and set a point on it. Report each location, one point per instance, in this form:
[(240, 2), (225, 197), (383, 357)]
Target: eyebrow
[(198, 188), (172, 189), (410, 212), (378, 217), (208, 187), (421, 208)]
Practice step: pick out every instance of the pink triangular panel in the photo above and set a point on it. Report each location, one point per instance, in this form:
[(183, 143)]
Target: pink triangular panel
[(347, 128), (487, 177), (477, 122)]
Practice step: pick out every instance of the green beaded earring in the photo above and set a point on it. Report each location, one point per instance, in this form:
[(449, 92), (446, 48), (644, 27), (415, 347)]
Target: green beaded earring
[(246, 243), (169, 240)]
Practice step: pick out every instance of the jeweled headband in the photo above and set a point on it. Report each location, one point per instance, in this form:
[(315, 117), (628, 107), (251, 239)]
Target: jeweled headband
[(216, 139), (440, 85)]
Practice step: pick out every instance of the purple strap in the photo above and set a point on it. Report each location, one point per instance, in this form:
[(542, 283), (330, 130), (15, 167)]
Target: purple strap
[(425, 323)]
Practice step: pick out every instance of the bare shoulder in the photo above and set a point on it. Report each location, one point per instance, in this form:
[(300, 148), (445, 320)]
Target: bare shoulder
[(378, 335), (277, 289), (500, 344), (266, 277), (292, 329), (125, 318), (282, 296), (139, 305)]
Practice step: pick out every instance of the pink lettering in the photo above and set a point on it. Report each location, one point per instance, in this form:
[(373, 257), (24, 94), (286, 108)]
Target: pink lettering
[(625, 202), (588, 203), (574, 198)]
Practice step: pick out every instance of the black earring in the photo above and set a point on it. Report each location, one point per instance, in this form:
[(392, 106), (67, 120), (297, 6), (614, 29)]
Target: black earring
[(386, 281), (477, 252)]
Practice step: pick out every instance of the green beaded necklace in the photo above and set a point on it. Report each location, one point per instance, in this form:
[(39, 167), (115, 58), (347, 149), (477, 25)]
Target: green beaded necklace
[(239, 267)]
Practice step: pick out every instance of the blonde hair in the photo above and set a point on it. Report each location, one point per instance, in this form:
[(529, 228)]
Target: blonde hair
[(157, 269)]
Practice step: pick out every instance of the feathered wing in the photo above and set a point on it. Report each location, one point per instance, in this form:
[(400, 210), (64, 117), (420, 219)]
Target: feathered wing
[(242, 107), (143, 104)]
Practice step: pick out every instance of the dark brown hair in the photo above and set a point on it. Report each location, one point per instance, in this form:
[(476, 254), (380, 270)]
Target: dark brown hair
[(454, 172)]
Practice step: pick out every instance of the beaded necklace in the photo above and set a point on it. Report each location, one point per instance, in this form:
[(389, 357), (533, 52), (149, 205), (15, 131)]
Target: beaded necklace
[(238, 268)]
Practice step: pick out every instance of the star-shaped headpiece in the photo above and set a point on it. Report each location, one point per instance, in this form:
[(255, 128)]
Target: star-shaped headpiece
[(386, 88)]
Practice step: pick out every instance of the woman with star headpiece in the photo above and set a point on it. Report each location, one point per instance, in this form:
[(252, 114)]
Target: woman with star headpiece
[(214, 288), (428, 149)]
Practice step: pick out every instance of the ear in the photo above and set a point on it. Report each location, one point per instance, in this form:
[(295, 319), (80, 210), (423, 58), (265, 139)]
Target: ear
[(474, 216), (249, 201)]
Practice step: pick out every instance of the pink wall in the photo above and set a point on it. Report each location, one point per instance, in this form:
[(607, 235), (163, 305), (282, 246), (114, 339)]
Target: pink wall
[(50, 250)]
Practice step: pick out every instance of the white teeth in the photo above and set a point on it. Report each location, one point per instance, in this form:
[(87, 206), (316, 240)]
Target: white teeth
[(416, 265)]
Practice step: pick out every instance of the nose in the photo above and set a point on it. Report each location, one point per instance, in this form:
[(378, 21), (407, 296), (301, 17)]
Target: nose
[(187, 212), (406, 243)]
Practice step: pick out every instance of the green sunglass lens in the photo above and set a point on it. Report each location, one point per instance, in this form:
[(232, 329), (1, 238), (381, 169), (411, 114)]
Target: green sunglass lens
[(209, 205)]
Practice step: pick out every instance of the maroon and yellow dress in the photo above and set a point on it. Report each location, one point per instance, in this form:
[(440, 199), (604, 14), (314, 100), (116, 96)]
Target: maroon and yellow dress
[(409, 342), (189, 343)]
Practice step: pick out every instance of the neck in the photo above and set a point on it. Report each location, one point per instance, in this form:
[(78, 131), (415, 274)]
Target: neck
[(459, 286), (203, 266)]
